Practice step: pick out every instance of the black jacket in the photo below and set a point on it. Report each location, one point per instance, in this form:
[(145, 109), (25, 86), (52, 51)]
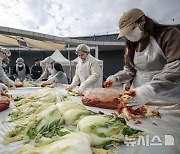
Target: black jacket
[(36, 72)]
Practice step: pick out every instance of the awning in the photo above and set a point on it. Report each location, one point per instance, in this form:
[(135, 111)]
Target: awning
[(8, 40), (44, 44)]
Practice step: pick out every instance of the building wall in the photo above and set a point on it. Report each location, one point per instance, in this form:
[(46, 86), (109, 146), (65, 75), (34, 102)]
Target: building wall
[(113, 60), (28, 56), (104, 38)]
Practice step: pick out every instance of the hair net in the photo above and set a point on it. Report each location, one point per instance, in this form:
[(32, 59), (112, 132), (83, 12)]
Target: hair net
[(42, 63), (20, 60), (83, 47), (8, 52), (48, 60)]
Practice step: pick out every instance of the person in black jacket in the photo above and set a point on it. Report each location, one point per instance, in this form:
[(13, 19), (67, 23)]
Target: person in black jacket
[(36, 70)]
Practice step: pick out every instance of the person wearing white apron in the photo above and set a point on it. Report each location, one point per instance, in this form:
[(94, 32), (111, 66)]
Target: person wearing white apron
[(88, 72), (152, 58), (21, 71), (4, 54)]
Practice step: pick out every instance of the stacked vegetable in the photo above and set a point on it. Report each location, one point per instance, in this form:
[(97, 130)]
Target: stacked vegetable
[(52, 122), (26, 84), (30, 84)]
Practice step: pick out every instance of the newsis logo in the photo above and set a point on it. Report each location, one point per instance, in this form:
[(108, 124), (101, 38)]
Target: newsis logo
[(150, 141)]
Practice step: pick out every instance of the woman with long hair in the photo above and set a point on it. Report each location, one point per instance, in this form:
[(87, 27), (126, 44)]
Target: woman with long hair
[(152, 57)]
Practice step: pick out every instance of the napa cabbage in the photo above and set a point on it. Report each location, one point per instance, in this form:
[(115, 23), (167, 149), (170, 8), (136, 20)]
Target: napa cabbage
[(69, 144), (104, 129), (72, 116), (45, 119), (67, 105)]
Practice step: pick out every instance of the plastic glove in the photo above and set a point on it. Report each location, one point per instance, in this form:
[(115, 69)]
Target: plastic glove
[(17, 80), (3, 88), (51, 79), (81, 89), (111, 78), (15, 76), (49, 82), (46, 83), (110, 81), (38, 80), (11, 83), (28, 77), (69, 88), (126, 86), (144, 94)]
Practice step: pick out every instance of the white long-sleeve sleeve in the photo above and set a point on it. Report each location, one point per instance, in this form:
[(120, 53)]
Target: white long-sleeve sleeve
[(161, 85), (3, 88), (76, 79), (44, 75), (4, 78), (95, 74), (122, 76), (168, 78), (88, 74)]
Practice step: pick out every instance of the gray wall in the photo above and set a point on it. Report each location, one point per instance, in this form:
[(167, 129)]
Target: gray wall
[(104, 38), (28, 56), (113, 61)]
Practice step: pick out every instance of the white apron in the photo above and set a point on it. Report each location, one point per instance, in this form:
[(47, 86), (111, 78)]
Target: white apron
[(21, 74), (148, 63), (84, 71)]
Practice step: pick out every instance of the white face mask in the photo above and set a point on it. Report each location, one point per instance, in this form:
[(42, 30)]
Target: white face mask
[(20, 65), (135, 35), (4, 65)]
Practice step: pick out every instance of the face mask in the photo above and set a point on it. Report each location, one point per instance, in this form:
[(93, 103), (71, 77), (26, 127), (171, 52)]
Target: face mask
[(135, 35), (20, 65), (4, 65), (51, 70)]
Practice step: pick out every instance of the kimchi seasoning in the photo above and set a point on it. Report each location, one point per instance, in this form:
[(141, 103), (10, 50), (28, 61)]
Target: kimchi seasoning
[(137, 122), (154, 123), (108, 84), (131, 93)]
